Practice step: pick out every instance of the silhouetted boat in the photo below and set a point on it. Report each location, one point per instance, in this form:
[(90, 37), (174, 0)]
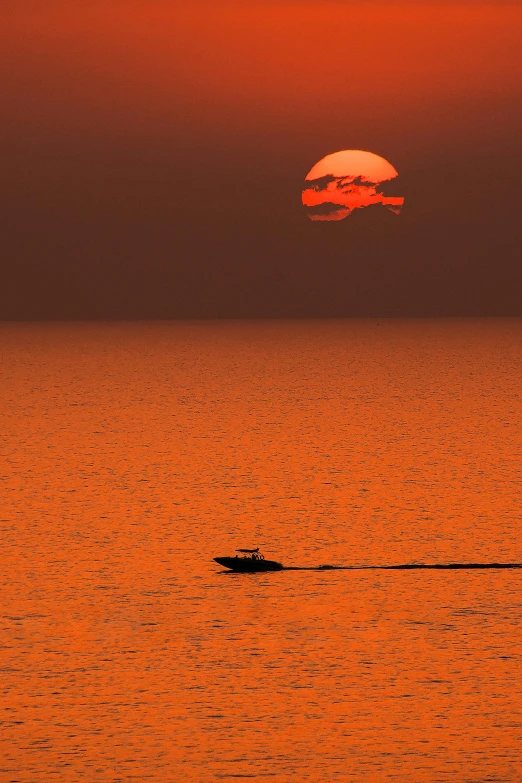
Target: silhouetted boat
[(251, 560)]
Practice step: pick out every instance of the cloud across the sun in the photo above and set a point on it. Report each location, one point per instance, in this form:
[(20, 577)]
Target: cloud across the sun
[(334, 198)]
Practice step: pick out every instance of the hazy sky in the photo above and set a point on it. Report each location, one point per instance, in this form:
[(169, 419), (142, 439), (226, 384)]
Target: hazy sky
[(153, 155)]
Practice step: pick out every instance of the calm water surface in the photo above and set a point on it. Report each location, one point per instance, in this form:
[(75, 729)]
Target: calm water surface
[(131, 455)]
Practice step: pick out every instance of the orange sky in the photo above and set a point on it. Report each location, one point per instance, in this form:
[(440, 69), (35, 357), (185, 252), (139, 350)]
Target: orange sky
[(151, 147), (297, 65)]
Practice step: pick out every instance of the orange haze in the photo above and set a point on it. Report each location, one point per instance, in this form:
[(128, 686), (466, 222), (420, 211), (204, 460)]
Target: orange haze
[(298, 65), (153, 155)]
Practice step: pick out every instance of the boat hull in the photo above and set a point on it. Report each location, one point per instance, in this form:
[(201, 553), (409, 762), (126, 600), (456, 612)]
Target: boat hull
[(248, 565)]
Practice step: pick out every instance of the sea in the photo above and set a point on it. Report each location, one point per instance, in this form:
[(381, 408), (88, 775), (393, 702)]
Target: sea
[(132, 454)]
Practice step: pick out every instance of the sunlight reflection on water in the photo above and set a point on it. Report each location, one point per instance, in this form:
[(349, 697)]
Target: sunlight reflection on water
[(136, 453)]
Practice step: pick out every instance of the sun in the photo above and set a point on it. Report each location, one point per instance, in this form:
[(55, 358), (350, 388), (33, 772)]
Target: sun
[(348, 180)]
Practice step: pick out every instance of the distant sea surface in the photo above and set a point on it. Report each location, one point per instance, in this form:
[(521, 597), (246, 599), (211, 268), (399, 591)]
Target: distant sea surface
[(132, 454)]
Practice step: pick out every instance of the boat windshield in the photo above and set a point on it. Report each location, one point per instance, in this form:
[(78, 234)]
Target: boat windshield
[(251, 554)]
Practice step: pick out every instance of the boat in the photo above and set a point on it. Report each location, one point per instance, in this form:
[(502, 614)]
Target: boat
[(249, 561)]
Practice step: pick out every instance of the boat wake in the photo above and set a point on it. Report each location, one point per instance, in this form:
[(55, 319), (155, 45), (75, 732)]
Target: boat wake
[(404, 567)]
